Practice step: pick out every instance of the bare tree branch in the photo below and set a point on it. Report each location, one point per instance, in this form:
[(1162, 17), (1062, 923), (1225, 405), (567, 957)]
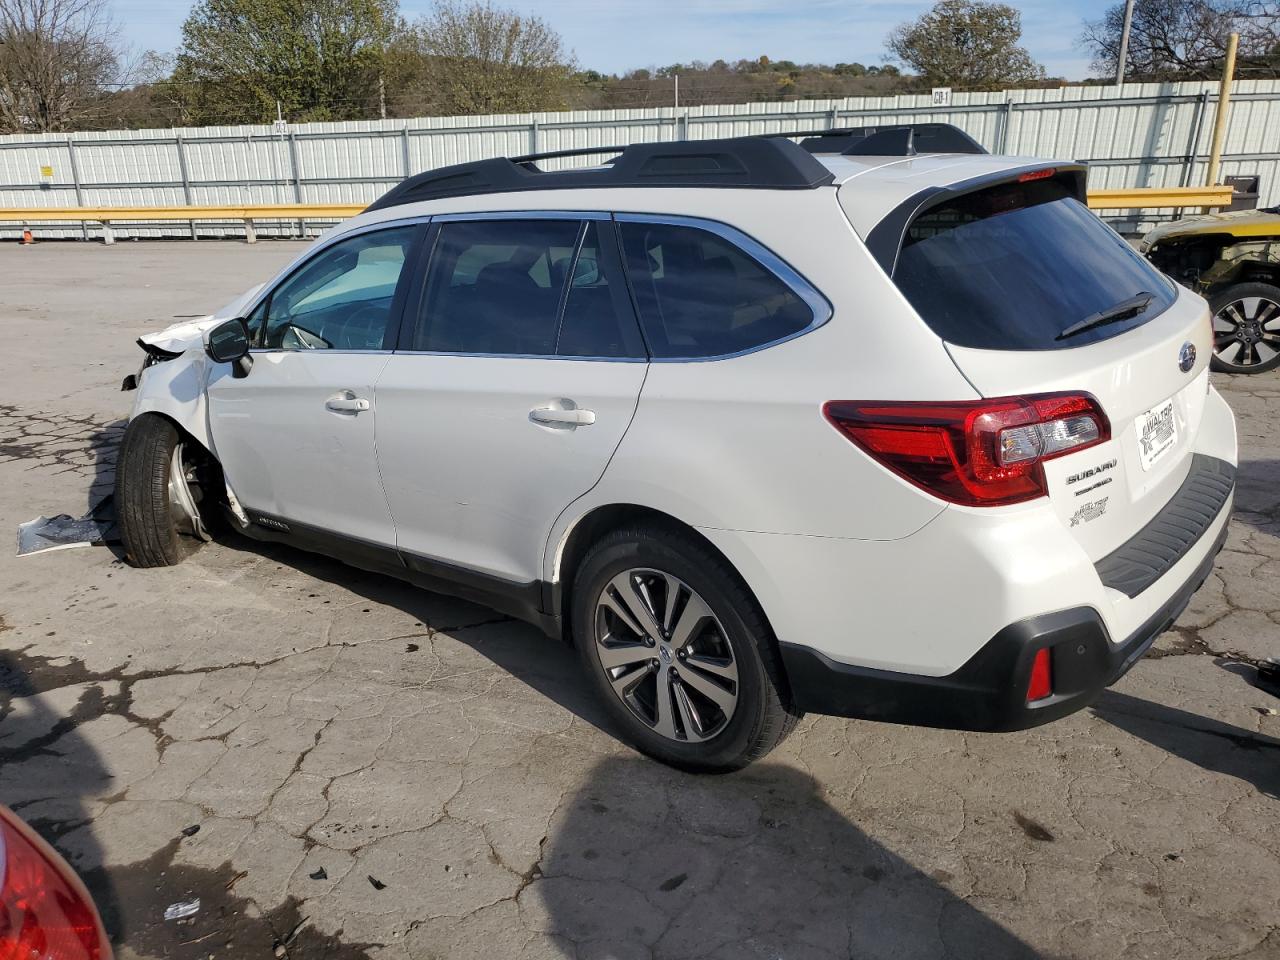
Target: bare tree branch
[(54, 57)]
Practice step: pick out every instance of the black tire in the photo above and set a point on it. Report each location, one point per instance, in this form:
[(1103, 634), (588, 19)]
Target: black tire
[(1246, 339), (148, 529), (762, 717)]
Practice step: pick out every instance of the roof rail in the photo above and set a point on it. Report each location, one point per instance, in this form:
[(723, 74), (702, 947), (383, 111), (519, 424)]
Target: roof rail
[(895, 140), (772, 163)]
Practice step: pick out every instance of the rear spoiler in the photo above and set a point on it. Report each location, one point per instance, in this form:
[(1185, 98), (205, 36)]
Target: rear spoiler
[(885, 239)]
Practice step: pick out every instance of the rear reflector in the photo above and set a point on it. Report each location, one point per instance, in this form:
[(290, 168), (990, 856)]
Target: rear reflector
[(45, 911), (974, 452), (1041, 683)]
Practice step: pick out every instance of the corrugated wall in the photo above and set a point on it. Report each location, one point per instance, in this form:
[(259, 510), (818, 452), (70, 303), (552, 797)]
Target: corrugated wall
[(1137, 135)]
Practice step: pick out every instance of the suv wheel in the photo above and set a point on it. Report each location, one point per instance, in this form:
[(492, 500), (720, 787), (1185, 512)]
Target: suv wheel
[(158, 493), (679, 651), (1246, 328)]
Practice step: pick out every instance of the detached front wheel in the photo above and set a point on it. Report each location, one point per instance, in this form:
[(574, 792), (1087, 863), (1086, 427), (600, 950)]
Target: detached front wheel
[(158, 494), (1246, 328)]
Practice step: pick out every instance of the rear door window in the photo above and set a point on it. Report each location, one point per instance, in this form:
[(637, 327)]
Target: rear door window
[(1017, 266), (700, 295), (496, 286)]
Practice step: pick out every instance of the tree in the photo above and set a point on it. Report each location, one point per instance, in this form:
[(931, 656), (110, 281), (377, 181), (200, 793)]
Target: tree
[(1187, 39), (968, 44), (472, 57), (55, 55), (322, 59)]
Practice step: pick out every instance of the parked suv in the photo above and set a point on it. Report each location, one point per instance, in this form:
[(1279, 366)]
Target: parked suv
[(762, 429)]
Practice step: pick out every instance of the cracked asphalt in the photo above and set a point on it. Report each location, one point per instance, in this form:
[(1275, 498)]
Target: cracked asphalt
[(380, 772)]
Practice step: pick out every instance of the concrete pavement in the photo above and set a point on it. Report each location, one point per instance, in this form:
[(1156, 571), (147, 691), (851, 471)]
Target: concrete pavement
[(377, 771)]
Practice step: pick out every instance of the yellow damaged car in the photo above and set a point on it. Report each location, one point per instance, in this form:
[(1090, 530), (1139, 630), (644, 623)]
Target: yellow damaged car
[(1232, 259)]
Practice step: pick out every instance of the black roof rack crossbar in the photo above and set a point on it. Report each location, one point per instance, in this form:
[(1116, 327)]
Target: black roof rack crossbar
[(772, 163), (864, 141), (891, 140)]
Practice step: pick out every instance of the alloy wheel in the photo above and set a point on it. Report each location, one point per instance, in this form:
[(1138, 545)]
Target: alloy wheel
[(666, 655), (1246, 332), (184, 496)]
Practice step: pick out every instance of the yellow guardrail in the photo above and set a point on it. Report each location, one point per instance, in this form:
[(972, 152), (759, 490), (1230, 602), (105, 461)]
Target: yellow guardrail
[(246, 213), (1156, 198), (1138, 198)]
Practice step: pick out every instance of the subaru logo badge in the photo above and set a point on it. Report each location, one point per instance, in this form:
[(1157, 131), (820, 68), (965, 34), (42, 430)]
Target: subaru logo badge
[(1187, 356)]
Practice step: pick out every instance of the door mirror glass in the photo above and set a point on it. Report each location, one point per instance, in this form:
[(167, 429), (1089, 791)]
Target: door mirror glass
[(227, 342)]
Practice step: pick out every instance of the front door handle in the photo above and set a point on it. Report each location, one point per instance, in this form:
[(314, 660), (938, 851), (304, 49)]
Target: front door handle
[(347, 404), (554, 416)]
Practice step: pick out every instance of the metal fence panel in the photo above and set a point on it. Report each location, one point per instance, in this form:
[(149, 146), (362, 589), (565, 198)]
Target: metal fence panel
[(1141, 134)]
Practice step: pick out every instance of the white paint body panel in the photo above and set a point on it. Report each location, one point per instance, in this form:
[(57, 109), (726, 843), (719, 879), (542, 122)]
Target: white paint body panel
[(470, 478), (288, 456)]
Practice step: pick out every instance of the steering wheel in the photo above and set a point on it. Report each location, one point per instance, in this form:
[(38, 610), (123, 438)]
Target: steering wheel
[(372, 314)]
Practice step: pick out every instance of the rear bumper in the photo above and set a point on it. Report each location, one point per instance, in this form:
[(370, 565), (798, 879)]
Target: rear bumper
[(988, 691)]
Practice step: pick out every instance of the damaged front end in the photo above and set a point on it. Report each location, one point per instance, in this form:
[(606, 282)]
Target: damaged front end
[(169, 344), (1207, 262)]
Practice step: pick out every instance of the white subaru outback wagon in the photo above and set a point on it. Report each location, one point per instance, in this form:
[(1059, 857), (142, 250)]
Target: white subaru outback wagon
[(872, 425)]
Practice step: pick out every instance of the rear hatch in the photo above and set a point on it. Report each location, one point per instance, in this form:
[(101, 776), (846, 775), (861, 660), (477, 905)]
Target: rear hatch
[(1033, 294)]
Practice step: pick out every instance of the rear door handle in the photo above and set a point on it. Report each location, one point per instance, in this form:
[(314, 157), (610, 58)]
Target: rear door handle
[(576, 417), (347, 404)]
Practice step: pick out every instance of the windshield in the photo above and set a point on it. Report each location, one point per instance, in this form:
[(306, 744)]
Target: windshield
[(1013, 266)]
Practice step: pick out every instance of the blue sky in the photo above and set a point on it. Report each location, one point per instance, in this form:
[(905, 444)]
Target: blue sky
[(616, 35)]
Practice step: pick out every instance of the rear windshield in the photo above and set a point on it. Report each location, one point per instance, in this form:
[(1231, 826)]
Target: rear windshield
[(1025, 266)]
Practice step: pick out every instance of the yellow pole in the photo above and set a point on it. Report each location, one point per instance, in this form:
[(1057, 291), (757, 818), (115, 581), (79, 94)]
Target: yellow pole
[(1224, 104)]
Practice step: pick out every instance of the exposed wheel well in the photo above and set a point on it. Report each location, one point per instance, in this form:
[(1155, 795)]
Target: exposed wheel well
[(603, 520), (211, 468)]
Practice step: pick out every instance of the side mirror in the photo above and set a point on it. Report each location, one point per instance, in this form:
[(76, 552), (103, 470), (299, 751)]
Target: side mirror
[(229, 343)]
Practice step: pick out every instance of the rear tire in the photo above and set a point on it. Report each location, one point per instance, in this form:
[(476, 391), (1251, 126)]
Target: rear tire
[(1246, 328), (149, 521), (718, 667)]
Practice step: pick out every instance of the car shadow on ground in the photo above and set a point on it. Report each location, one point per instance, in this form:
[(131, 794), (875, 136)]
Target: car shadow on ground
[(545, 664), (1210, 744), (646, 861), (53, 777), (1256, 502), (49, 772)]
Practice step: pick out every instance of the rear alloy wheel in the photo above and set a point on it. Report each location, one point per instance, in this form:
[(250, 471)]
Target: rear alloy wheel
[(160, 480), (666, 655), (679, 650), (1246, 328)]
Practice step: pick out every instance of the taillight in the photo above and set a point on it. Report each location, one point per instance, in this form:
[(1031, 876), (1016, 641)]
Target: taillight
[(45, 911), (975, 452), (1041, 683)]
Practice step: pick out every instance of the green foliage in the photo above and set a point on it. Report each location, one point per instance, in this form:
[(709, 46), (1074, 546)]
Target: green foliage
[(321, 59), (967, 44), (470, 57)]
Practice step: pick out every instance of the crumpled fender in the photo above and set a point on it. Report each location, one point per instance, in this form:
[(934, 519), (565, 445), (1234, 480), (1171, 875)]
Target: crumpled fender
[(176, 387)]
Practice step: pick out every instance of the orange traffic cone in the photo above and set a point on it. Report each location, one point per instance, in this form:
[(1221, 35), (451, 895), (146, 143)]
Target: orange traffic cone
[(27, 239)]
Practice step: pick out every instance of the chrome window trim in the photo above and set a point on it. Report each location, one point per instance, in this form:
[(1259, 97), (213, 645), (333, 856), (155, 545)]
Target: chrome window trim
[(317, 248), (795, 281)]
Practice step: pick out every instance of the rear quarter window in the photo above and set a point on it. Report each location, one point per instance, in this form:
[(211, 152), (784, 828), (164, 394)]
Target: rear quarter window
[(701, 295), (1013, 266)]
